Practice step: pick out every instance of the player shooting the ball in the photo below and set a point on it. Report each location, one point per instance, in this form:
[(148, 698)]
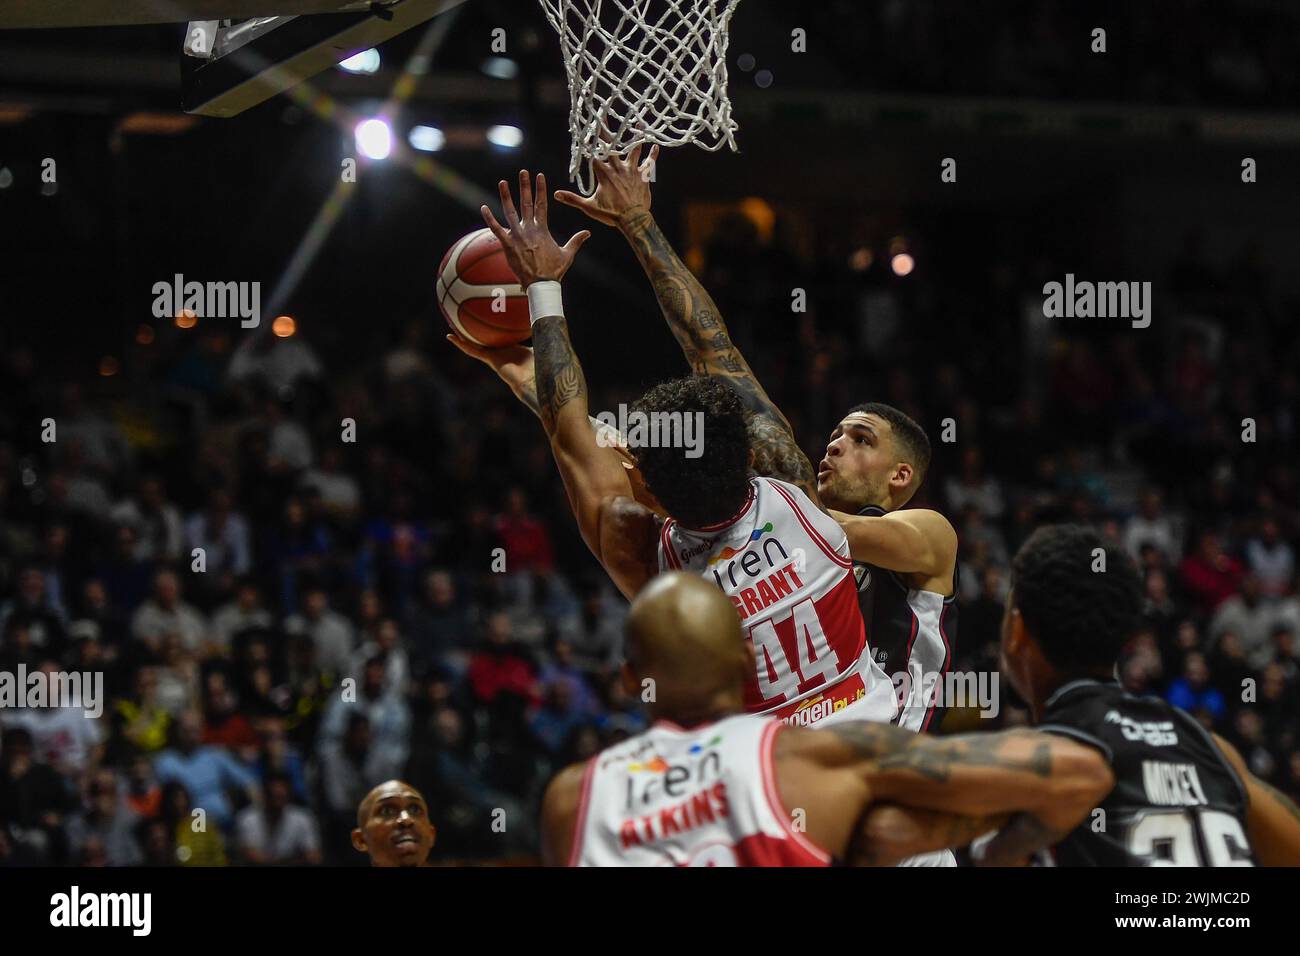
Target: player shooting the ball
[(781, 561)]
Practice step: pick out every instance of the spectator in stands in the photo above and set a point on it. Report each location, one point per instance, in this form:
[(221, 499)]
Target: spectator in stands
[(222, 533), (167, 614), (1271, 559), (497, 667), (390, 648), (1246, 615), (245, 612), (1193, 693), (140, 719), (65, 737), (974, 488), (194, 840), (34, 801), (154, 521), (388, 719), (107, 818), (207, 772), (31, 607), (595, 630), (1209, 574), (439, 624), (1151, 526), (277, 833), (330, 632)]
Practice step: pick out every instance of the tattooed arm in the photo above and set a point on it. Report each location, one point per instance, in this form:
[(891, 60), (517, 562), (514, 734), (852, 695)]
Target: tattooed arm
[(622, 200), (621, 533), (1272, 819), (1048, 784)]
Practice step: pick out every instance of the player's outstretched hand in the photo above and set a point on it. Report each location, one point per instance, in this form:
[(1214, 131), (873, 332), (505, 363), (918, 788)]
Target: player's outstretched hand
[(531, 250), (622, 187)]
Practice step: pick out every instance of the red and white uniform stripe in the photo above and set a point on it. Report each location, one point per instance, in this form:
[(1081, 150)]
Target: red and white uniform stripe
[(700, 797), (785, 566)]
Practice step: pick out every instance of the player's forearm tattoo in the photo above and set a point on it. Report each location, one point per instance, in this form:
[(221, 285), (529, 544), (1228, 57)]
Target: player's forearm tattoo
[(776, 453), (936, 759), (697, 325), (691, 313), (559, 378)]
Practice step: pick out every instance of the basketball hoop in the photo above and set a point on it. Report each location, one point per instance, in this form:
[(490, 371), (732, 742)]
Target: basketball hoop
[(643, 71)]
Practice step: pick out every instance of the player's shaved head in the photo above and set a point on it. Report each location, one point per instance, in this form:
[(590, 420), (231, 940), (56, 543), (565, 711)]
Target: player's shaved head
[(684, 635), (393, 825)]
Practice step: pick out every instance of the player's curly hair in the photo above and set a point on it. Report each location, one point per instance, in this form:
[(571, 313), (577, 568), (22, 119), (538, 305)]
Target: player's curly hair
[(1080, 617), (711, 488)]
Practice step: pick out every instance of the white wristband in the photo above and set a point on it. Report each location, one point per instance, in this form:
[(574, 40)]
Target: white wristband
[(543, 300)]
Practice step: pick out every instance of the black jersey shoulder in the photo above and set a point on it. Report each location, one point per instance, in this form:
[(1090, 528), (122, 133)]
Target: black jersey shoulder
[(1166, 765)]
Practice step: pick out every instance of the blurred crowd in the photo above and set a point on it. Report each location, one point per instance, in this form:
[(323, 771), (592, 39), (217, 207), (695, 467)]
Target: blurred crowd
[(1225, 54), (305, 565)]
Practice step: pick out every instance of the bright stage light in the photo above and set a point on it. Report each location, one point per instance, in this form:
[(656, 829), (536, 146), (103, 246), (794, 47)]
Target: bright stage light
[(507, 137), (427, 139), (902, 264), (367, 61), (500, 68), (374, 139)]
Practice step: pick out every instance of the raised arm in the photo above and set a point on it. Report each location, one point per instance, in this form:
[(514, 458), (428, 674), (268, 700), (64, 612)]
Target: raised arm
[(622, 200), (620, 532)]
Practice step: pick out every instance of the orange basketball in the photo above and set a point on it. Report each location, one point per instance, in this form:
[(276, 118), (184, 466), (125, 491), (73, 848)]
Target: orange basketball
[(479, 294)]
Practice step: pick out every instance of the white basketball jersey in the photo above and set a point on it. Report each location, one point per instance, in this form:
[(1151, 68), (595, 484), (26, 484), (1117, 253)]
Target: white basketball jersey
[(785, 565), (700, 797)]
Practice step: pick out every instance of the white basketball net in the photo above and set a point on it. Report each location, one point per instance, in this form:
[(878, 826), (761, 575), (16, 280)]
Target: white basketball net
[(643, 71)]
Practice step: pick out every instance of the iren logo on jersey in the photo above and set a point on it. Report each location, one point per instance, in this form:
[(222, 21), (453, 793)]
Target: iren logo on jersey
[(774, 582), (658, 765), (649, 781), (726, 554)]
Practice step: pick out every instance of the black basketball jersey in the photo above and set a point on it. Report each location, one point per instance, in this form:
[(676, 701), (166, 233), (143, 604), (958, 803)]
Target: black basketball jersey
[(912, 634), (1176, 802)]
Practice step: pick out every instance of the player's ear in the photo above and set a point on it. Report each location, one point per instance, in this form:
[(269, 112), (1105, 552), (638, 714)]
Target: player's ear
[(749, 458), (903, 474), (1014, 634), (359, 841)]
